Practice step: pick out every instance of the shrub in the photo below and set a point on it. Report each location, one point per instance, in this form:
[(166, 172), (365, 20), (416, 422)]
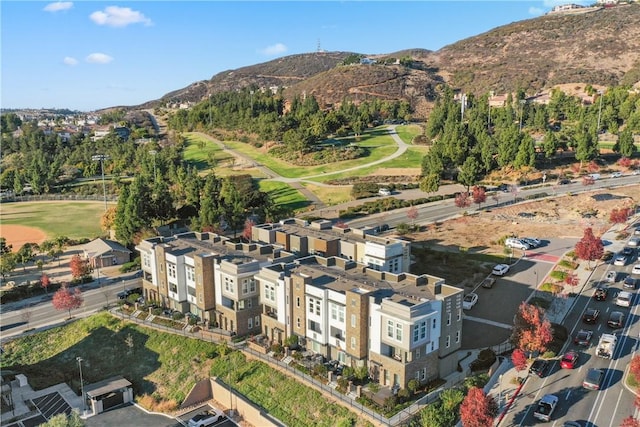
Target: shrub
[(568, 264), (177, 315), (559, 275)]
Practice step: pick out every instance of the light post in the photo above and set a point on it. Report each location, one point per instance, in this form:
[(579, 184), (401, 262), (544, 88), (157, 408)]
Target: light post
[(500, 391), (79, 359), (600, 93), (101, 158)]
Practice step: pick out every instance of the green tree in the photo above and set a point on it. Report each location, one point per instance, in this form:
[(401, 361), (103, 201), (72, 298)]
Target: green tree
[(233, 206), (64, 420), (526, 153), (624, 145), (469, 172), (550, 144), (8, 263), (430, 183), (586, 146)]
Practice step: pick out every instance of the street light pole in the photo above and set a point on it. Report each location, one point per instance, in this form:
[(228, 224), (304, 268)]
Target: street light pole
[(101, 158), (79, 359), (500, 391), (600, 93)]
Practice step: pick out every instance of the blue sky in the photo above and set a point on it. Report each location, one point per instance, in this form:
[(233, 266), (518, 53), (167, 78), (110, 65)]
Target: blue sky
[(87, 55)]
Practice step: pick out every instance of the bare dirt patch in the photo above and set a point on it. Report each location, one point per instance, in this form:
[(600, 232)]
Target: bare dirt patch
[(18, 235), (565, 216)]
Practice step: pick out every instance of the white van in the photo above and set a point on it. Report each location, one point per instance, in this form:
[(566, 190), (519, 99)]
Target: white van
[(594, 176), (384, 192)]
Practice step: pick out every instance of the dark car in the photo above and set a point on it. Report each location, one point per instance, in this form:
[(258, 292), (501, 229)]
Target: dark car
[(616, 319), (539, 367), (591, 315), (631, 282), (601, 293), (593, 379), (606, 256), (628, 252), (125, 294), (583, 337)]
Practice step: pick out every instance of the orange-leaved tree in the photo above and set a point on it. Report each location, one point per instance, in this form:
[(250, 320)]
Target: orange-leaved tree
[(531, 331), (67, 299), (478, 409), (590, 247)]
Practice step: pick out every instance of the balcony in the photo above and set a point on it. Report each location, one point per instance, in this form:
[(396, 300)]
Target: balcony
[(272, 314)]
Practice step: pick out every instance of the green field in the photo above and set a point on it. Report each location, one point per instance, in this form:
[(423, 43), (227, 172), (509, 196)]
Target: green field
[(284, 195), (58, 218), (408, 132)]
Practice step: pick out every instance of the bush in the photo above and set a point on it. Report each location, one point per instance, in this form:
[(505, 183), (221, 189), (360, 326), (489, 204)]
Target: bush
[(130, 266), (177, 315), (559, 275), (568, 264)]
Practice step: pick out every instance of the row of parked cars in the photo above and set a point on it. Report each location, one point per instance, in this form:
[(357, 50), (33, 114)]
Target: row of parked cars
[(524, 243)]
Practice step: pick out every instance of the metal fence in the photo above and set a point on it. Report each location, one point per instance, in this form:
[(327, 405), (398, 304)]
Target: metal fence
[(50, 197)]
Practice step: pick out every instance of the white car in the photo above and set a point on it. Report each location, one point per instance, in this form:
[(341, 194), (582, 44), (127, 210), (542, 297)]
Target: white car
[(635, 269), (620, 260), (634, 242), (500, 270), (469, 301), (512, 242), (616, 175), (205, 418), (624, 299)]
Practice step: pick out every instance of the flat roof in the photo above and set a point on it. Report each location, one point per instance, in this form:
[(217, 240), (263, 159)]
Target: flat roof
[(106, 386)]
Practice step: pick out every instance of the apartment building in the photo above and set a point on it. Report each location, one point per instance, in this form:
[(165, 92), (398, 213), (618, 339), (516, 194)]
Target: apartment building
[(321, 285)]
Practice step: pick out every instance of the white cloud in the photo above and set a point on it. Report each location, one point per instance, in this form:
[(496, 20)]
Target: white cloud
[(536, 11), (58, 6), (274, 49), (69, 60), (99, 58), (114, 16)]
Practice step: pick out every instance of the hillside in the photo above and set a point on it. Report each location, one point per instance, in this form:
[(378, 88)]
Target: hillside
[(601, 48)]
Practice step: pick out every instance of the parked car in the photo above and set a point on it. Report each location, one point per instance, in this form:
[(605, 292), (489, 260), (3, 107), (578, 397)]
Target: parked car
[(125, 294), (635, 269), (611, 276), (593, 379), (616, 175), (616, 319), (637, 230), (569, 360), (631, 282), (488, 282), (515, 243), (601, 293), (591, 315), (624, 298), (500, 270), (606, 256), (539, 367), (620, 260), (384, 192), (628, 252), (532, 241), (583, 337), (634, 242), (571, 424), (469, 301), (205, 418)]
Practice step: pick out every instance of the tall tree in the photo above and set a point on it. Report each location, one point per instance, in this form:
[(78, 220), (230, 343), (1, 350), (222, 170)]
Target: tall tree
[(79, 267), (531, 331), (462, 200), (590, 247), (45, 282), (430, 183), (67, 299), (469, 172), (619, 216), (634, 367), (624, 145), (479, 195), (519, 359), (478, 409)]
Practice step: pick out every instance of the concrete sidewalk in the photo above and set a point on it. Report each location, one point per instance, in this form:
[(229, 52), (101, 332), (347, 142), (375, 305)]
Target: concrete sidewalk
[(504, 385)]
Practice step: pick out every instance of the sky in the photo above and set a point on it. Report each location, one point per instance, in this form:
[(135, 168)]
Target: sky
[(88, 55)]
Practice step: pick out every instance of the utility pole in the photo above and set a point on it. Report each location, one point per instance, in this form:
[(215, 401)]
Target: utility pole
[(84, 408), (600, 93), (101, 158)]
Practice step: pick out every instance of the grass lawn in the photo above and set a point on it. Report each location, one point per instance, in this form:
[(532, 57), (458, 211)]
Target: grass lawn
[(408, 132), (163, 365), (284, 195), (330, 195), (412, 158), (72, 219)]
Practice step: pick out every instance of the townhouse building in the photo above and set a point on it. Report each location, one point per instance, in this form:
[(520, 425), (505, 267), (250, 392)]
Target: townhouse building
[(345, 295)]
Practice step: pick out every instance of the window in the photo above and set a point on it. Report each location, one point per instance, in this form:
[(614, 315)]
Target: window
[(270, 292), (250, 323), (147, 260), (249, 303), (423, 330), (248, 285), (418, 353), (311, 306), (434, 324), (228, 284), (257, 321), (420, 331), (353, 302), (297, 301), (190, 273), (398, 331), (334, 312), (241, 304), (171, 270), (449, 318), (318, 307), (353, 342), (459, 314), (390, 328), (458, 336), (200, 297), (353, 321), (341, 314), (298, 322), (416, 333), (448, 342), (424, 374), (417, 376)]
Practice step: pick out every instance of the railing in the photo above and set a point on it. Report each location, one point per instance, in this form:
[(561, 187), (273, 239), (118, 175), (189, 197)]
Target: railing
[(49, 197)]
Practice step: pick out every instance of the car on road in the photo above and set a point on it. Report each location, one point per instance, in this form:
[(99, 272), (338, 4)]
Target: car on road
[(569, 360), (591, 315), (611, 276), (637, 230), (488, 282), (571, 424), (616, 175), (469, 301), (500, 270), (628, 252), (204, 419), (125, 294), (532, 241), (583, 337), (606, 256), (635, 269), (623, 299), (601, 293), (634, 242), (539, 367), (616, 319), (631, 282), (620, 260), (515, 243), (545, 407), (593, 379)]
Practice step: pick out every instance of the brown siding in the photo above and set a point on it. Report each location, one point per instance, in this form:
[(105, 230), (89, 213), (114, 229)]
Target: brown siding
[(357, 304)]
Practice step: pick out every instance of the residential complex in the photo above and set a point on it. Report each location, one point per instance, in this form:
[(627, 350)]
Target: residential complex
[(345, 294)]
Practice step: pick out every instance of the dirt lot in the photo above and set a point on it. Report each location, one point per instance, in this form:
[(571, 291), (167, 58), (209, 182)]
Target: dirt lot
[(440, 247)]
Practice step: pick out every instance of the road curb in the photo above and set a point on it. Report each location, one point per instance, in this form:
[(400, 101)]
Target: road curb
[(510, 402)]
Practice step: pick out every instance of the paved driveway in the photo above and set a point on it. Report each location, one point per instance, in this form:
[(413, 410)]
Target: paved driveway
[(130, 415)]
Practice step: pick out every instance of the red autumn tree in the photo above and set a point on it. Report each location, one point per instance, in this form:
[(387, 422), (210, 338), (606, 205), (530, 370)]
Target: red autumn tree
[(589, 248), (67, 299), (477, 409), (248, 226), (412, 214), (519, 360), (531, 331), (630, 422), (593, 167), (479, 195), (45, 282), (462, 200), (634, 367), (625, 162), (79, 267), (619, 216)]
